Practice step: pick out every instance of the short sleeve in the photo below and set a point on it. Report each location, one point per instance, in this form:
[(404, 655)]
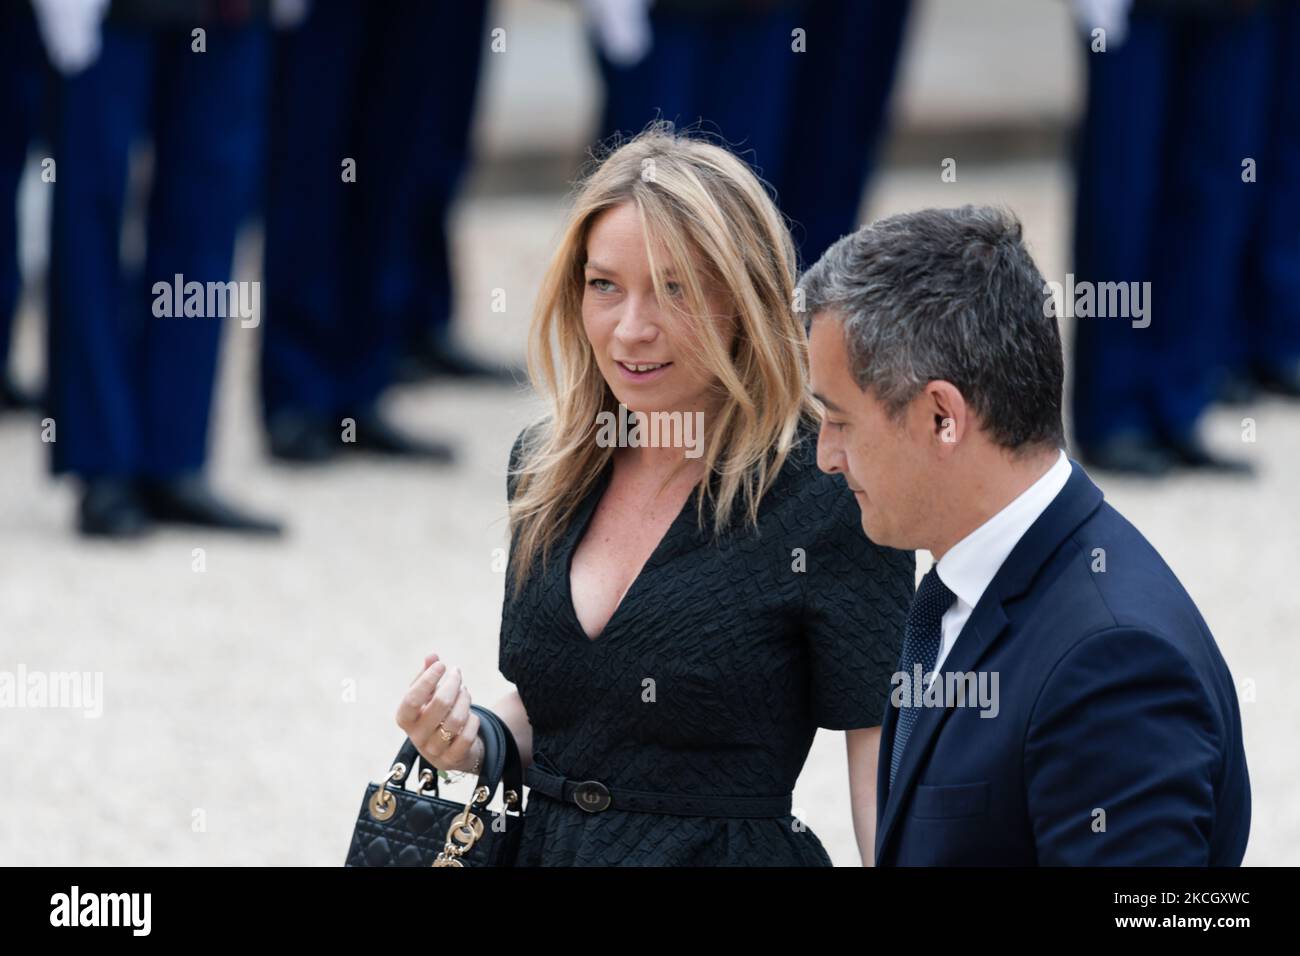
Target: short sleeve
[(857, 594)]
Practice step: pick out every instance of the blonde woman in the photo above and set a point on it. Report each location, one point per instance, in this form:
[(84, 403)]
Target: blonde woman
[(681, 615)]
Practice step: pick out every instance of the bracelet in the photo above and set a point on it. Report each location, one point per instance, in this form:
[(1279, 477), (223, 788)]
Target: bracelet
[(461, 774), (477, 762)]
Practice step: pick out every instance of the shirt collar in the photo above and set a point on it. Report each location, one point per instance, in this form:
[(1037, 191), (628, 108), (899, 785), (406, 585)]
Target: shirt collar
[(969, 566)]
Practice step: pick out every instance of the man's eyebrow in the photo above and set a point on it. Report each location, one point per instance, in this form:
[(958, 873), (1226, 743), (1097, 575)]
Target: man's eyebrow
[(828, 403)]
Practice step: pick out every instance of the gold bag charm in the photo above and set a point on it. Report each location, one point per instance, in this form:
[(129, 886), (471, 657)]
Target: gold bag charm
[(465, 830)]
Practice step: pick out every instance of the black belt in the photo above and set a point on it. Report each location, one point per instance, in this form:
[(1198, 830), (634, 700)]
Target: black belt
[(593, 796)]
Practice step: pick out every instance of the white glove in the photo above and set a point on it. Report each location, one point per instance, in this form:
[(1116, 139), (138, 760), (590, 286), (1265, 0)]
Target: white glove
[(289, 14), (1110, 15), (70, 30), (622, 28)]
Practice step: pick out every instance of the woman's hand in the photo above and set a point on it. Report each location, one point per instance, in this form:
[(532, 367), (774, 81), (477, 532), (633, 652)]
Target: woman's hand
[(435, 714)]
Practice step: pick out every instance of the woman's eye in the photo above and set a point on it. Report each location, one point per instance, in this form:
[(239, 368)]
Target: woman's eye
[(839, 425), (601, 285), (673, 288)]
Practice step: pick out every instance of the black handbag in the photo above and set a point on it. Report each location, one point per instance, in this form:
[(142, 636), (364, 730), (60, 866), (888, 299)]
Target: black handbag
[(401, 827)]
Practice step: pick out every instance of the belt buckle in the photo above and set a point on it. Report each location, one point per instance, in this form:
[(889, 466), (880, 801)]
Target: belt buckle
[(592, 796)]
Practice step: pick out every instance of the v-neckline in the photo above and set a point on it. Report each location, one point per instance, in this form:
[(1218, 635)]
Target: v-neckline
[(582, 522)]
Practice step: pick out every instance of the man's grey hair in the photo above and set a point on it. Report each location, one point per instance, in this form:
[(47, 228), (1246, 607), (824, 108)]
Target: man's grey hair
[(953, 295)]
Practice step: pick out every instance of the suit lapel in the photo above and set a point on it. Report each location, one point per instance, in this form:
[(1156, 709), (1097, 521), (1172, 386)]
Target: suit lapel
[(986, 623), (1074, 505)]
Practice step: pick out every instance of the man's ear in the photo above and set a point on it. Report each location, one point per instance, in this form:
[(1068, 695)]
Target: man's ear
[(949, 415)]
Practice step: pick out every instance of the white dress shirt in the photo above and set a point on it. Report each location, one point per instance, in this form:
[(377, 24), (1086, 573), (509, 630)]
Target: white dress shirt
[(970, 565)]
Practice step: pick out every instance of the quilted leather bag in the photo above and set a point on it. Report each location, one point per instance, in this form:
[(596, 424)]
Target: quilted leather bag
[(398, 826)]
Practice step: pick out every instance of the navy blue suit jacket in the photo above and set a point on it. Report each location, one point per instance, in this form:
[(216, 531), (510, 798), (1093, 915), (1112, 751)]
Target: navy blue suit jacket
[(1117, 739)]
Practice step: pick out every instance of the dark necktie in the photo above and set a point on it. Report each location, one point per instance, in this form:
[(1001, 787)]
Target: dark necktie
[(920, 645)]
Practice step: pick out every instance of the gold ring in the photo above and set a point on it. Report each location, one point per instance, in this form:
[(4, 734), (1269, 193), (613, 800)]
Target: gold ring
[(443, 733)]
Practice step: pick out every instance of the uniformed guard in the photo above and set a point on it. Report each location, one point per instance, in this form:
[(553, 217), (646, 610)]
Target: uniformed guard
[(1162, 199), (131, 383)]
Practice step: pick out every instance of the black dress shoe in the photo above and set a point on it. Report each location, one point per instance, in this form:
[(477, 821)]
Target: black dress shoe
[(1190, 452), (188, 500), (301, 439), (1281, 381), (376, 434), (1128, 455), (110, 508), (435, 358)]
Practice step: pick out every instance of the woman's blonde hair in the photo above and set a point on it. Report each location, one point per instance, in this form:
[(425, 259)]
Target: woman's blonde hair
[(709, 212)]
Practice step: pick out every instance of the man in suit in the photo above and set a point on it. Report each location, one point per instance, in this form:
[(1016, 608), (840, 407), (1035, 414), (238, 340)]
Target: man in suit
[(1059, 700)]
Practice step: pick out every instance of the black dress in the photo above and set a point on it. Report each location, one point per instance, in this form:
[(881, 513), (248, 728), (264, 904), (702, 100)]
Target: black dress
[(710, 678)]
